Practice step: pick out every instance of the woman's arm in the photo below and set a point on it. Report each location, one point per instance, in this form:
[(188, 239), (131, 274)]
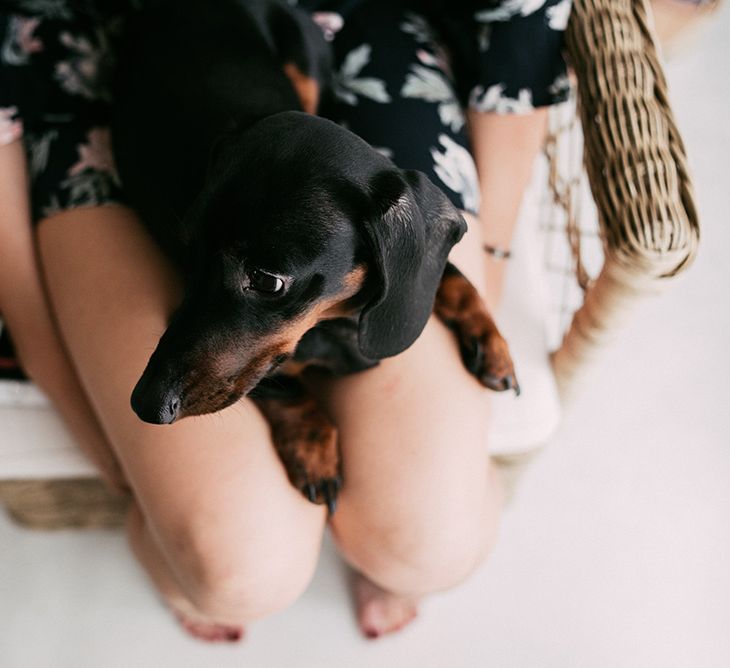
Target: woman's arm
[(24, 308), (505, 147)]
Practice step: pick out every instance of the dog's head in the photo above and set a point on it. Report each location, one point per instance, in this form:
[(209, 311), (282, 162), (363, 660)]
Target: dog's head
[(299, 221)]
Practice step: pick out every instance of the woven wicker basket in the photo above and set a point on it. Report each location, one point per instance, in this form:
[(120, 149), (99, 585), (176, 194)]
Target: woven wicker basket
[(637, 170), (65, 503)]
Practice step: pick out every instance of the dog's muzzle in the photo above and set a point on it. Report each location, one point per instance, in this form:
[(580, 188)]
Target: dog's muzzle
[(156, 405)]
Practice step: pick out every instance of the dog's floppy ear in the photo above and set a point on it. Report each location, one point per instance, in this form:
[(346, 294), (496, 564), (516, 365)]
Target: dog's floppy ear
[(411, 230)]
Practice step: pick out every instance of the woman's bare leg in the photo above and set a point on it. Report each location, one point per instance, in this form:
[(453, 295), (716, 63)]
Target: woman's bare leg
[(25, 309), (217, 526), (497, 141), (423, 398), (420, 504), (382, 606)]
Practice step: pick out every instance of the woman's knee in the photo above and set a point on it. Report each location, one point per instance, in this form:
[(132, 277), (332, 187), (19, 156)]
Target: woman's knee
[(251, 583), (239, 571), (416, 560), (427, 545)]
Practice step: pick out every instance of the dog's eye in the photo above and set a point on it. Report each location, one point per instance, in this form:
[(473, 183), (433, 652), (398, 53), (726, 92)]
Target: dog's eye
[(264, 282)]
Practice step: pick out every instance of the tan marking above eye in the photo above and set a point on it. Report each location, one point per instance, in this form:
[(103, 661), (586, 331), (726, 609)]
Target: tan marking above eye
[(336, 307), (333, 307), (306, 87), (354, 280)]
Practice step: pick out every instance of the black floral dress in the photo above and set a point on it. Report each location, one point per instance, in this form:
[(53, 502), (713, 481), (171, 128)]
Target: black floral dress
[(405, 73)]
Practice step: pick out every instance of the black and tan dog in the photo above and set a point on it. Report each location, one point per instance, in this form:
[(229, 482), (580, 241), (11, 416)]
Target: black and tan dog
[(299, 244)]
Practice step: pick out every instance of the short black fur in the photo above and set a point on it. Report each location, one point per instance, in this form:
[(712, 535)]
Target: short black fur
[(231, 178)]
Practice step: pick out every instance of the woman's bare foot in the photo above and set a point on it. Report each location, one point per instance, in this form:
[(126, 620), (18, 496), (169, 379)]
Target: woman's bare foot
[(203, 629), (378, 611)]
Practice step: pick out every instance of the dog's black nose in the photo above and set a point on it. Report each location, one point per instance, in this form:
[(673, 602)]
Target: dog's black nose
[(170, 410), (155, 407)]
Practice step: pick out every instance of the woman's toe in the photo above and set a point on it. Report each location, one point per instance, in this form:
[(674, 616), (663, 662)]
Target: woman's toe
[(202, 628), (210, 631), (378, 611)]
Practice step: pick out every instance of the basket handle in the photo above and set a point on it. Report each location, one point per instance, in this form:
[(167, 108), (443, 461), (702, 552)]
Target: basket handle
[(637, 169)]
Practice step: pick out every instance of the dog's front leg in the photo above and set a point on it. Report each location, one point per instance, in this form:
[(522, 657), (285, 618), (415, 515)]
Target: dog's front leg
[(306, 441), (483, 349)]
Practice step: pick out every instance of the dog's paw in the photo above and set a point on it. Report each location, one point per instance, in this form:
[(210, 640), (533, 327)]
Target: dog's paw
[(312, 461), (306, 442), (487, 357), (483, 350)]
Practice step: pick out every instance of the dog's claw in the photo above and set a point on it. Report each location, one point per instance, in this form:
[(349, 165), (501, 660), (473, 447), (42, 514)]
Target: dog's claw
[(323, 491), (330, 488), (512, 384), (331, 503)]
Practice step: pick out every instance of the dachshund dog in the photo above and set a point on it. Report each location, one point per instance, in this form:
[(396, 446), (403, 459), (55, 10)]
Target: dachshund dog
[(299, 244)]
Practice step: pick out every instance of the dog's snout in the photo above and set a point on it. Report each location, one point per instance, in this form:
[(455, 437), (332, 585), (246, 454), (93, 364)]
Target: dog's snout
[(155, 407)]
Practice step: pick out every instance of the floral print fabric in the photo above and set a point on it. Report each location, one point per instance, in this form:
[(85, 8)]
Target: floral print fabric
[(55, 61), (405, 72), (408, 69)]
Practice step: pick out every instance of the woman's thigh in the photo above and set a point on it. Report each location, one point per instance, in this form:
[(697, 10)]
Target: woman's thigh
[(420, 503), (421, 500), (212, 489)]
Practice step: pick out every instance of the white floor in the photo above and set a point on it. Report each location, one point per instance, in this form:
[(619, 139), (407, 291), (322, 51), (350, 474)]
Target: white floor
[(615, 555)]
